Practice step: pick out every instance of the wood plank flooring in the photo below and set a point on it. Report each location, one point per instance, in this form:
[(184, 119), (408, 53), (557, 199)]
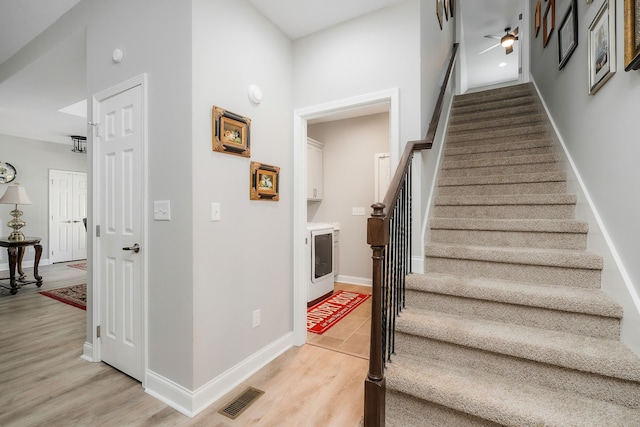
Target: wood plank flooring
[(43, 380)]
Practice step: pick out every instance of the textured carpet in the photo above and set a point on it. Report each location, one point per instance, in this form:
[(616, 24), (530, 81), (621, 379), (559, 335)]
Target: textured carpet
[(327, 313), (73, 295)]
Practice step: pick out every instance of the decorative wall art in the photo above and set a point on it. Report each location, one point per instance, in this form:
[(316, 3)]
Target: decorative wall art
[(568, 34), (631, 35), (439, 10), (602, 46), (548, 22), (446, 9), (536, 19), (231, 133), (264, 182), (451, 8)]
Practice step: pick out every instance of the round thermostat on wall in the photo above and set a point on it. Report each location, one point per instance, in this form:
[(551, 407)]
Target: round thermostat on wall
[(255, 94), (7, 173)]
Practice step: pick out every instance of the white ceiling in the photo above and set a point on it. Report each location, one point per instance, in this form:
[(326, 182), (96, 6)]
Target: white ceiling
[(30, 99)]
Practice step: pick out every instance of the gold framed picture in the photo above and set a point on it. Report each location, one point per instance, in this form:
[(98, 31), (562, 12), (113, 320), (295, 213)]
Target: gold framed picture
[(631, 35), (231, 133), (264, 182)]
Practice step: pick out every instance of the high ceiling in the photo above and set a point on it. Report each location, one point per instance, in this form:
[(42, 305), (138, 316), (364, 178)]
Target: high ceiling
[(31, 98)]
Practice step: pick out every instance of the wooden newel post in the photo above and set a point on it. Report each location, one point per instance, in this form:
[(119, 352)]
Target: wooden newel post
[(374, 385)]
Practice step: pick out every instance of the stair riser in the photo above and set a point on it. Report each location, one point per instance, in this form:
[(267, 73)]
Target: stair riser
[(482, 116), (503, 189), (559, 276), (493, 154), (489, 103), (505, 92), (590, 385), (506, 211), (515, 134), (500, 170), (577, 323), (495, 124), (522, 239), (403, 410)]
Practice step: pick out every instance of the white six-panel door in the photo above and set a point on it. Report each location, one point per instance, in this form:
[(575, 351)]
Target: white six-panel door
[(67, 208), (120, 206)]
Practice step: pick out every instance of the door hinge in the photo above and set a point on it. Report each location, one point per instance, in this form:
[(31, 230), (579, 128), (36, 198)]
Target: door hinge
[(98, 331), (96, 126), (97, 231)]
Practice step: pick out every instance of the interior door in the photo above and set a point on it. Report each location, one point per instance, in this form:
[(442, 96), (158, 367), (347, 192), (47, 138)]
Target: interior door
[(119, 142), (67, 208)]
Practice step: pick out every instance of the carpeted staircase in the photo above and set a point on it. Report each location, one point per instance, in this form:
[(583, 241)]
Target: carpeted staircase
[(508, 326)]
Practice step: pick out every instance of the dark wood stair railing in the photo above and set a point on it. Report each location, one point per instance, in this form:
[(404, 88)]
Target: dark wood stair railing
[(389, 235)]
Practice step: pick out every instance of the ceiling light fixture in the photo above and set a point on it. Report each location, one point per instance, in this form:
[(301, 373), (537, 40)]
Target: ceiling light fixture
[(507, 40), (79, 144)]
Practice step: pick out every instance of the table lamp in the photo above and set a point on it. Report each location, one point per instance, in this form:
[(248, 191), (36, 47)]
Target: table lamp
[(16, 195)]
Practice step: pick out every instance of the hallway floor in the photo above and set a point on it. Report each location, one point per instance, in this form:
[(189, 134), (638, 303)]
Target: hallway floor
[(44, 380)]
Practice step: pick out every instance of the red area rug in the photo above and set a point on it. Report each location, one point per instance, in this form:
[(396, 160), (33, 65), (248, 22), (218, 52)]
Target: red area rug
[(73, 295), (81, 266), (327, 313)]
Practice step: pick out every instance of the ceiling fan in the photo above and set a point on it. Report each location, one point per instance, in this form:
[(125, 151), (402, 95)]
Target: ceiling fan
[(506, 41)]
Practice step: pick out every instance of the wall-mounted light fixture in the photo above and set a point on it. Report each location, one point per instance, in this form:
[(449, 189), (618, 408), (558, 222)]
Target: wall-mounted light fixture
[(255, 94), (79, 144)]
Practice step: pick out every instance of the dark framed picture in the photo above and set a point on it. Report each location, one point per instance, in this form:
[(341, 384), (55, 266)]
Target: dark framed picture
[(548, 22), (451, 8), (264, 182), (631, 35), (537, 19), (231, 132), (439, 11), (602, 46), (568, 34), (445, 5)]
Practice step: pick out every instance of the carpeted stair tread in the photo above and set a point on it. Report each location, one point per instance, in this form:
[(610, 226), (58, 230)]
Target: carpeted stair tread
[(522, 178), (525, 199), (499, 122), (505, 402), (576, 300), (515, 90), (587, 354), (526, 256), (527, 225), (500, 161), (489, 115), (497, 148), (498, 133)]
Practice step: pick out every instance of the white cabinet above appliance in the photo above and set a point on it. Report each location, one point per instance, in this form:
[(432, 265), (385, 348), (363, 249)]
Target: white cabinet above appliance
[(314, 169)]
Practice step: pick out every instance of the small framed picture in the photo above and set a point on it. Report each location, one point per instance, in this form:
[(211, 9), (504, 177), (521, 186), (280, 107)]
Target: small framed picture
[(439, 11), (231, 133), (537, 19), (602, 47), (264, 182), (631, 35), (548, 22), (568, 35)]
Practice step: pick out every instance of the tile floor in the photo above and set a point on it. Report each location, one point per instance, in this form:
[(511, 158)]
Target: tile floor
[(351, 334)]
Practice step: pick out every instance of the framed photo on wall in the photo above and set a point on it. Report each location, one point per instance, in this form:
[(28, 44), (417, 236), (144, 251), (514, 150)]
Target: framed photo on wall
[(602, 46), (264, 182), (439, 11), (231, 132), (568, 34), (548, 22), (537, 19), (631, 35)]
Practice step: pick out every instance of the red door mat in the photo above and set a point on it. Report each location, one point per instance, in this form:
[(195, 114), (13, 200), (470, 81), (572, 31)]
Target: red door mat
[(327, 313)]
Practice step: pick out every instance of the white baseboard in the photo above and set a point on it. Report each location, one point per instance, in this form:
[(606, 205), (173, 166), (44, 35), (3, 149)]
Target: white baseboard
[(191, 403), (87, 352), (26, 264), (417, 264), (353, 280)]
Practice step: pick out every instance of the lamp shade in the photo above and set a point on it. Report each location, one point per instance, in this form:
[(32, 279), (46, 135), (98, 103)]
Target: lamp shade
[(15, 195)]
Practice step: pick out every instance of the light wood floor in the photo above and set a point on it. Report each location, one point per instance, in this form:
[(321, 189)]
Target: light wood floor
[(43, 381)]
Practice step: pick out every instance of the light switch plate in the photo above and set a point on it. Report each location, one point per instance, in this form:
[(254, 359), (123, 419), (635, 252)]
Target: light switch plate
[(162, 210), (215, 211), (357, 211)]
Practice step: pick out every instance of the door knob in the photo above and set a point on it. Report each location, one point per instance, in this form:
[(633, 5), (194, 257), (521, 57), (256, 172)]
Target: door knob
[(135, 248)]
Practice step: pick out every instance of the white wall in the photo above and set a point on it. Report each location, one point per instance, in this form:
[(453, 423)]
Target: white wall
[(348, 162), (375, 52), (243, 262), (601, 137), (32, 160)]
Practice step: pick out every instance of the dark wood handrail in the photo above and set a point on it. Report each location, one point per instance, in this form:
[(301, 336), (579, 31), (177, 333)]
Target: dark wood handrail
[(378, 236)]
